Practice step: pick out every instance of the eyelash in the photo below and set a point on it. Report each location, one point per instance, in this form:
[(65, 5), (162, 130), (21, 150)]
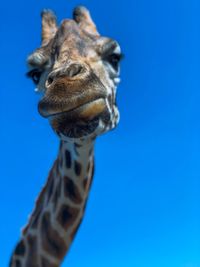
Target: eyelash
[(35, 75)]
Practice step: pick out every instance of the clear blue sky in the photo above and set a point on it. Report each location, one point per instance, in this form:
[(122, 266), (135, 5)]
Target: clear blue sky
[(144, 207)]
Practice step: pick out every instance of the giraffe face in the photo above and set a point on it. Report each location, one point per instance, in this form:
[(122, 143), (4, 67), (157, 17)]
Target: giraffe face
[(77, 71)]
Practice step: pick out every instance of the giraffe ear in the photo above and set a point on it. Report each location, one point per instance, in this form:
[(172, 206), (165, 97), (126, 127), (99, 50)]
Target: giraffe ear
[(49, 26), (82, 16)]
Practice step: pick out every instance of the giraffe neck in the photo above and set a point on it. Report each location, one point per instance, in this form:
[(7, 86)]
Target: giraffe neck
[(59, 209)]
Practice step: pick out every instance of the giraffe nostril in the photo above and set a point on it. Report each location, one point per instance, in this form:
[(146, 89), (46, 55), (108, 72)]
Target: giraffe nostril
[(69, 72), (49, 81), (73, 70)]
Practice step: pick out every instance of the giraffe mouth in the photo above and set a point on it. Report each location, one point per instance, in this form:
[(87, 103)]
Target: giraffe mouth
[(87, 111), (81, 121)]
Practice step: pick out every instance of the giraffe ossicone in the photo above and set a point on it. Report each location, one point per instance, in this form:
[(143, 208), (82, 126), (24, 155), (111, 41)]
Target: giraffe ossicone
[(77, 72)]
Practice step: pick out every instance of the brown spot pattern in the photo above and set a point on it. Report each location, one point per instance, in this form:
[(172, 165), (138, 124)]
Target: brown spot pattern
[(68, 160), (57, 194), (32, 259), (77, 168), (18, 263), (51, 241), (71, 191), (66, 216), (36, 218), (50, 189), (20, 248)]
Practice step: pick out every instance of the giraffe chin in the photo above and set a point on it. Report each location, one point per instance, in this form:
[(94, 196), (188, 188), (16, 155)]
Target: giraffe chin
[(83, 121)]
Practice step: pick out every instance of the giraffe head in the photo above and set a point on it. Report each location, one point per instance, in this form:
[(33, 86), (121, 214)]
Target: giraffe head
[(77, 70)]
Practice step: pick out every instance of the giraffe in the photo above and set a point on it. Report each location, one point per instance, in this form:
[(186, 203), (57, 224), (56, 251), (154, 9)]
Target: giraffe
[(76, 70)]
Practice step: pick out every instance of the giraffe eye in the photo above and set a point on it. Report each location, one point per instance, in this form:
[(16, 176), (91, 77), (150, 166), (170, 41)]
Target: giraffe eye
[(35, 75), (114, 60)]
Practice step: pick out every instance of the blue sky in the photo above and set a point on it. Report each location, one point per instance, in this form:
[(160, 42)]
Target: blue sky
[(144, 207)]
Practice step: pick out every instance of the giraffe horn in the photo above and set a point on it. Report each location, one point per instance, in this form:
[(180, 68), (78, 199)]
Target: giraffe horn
[(82, 16), (49, 26)]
